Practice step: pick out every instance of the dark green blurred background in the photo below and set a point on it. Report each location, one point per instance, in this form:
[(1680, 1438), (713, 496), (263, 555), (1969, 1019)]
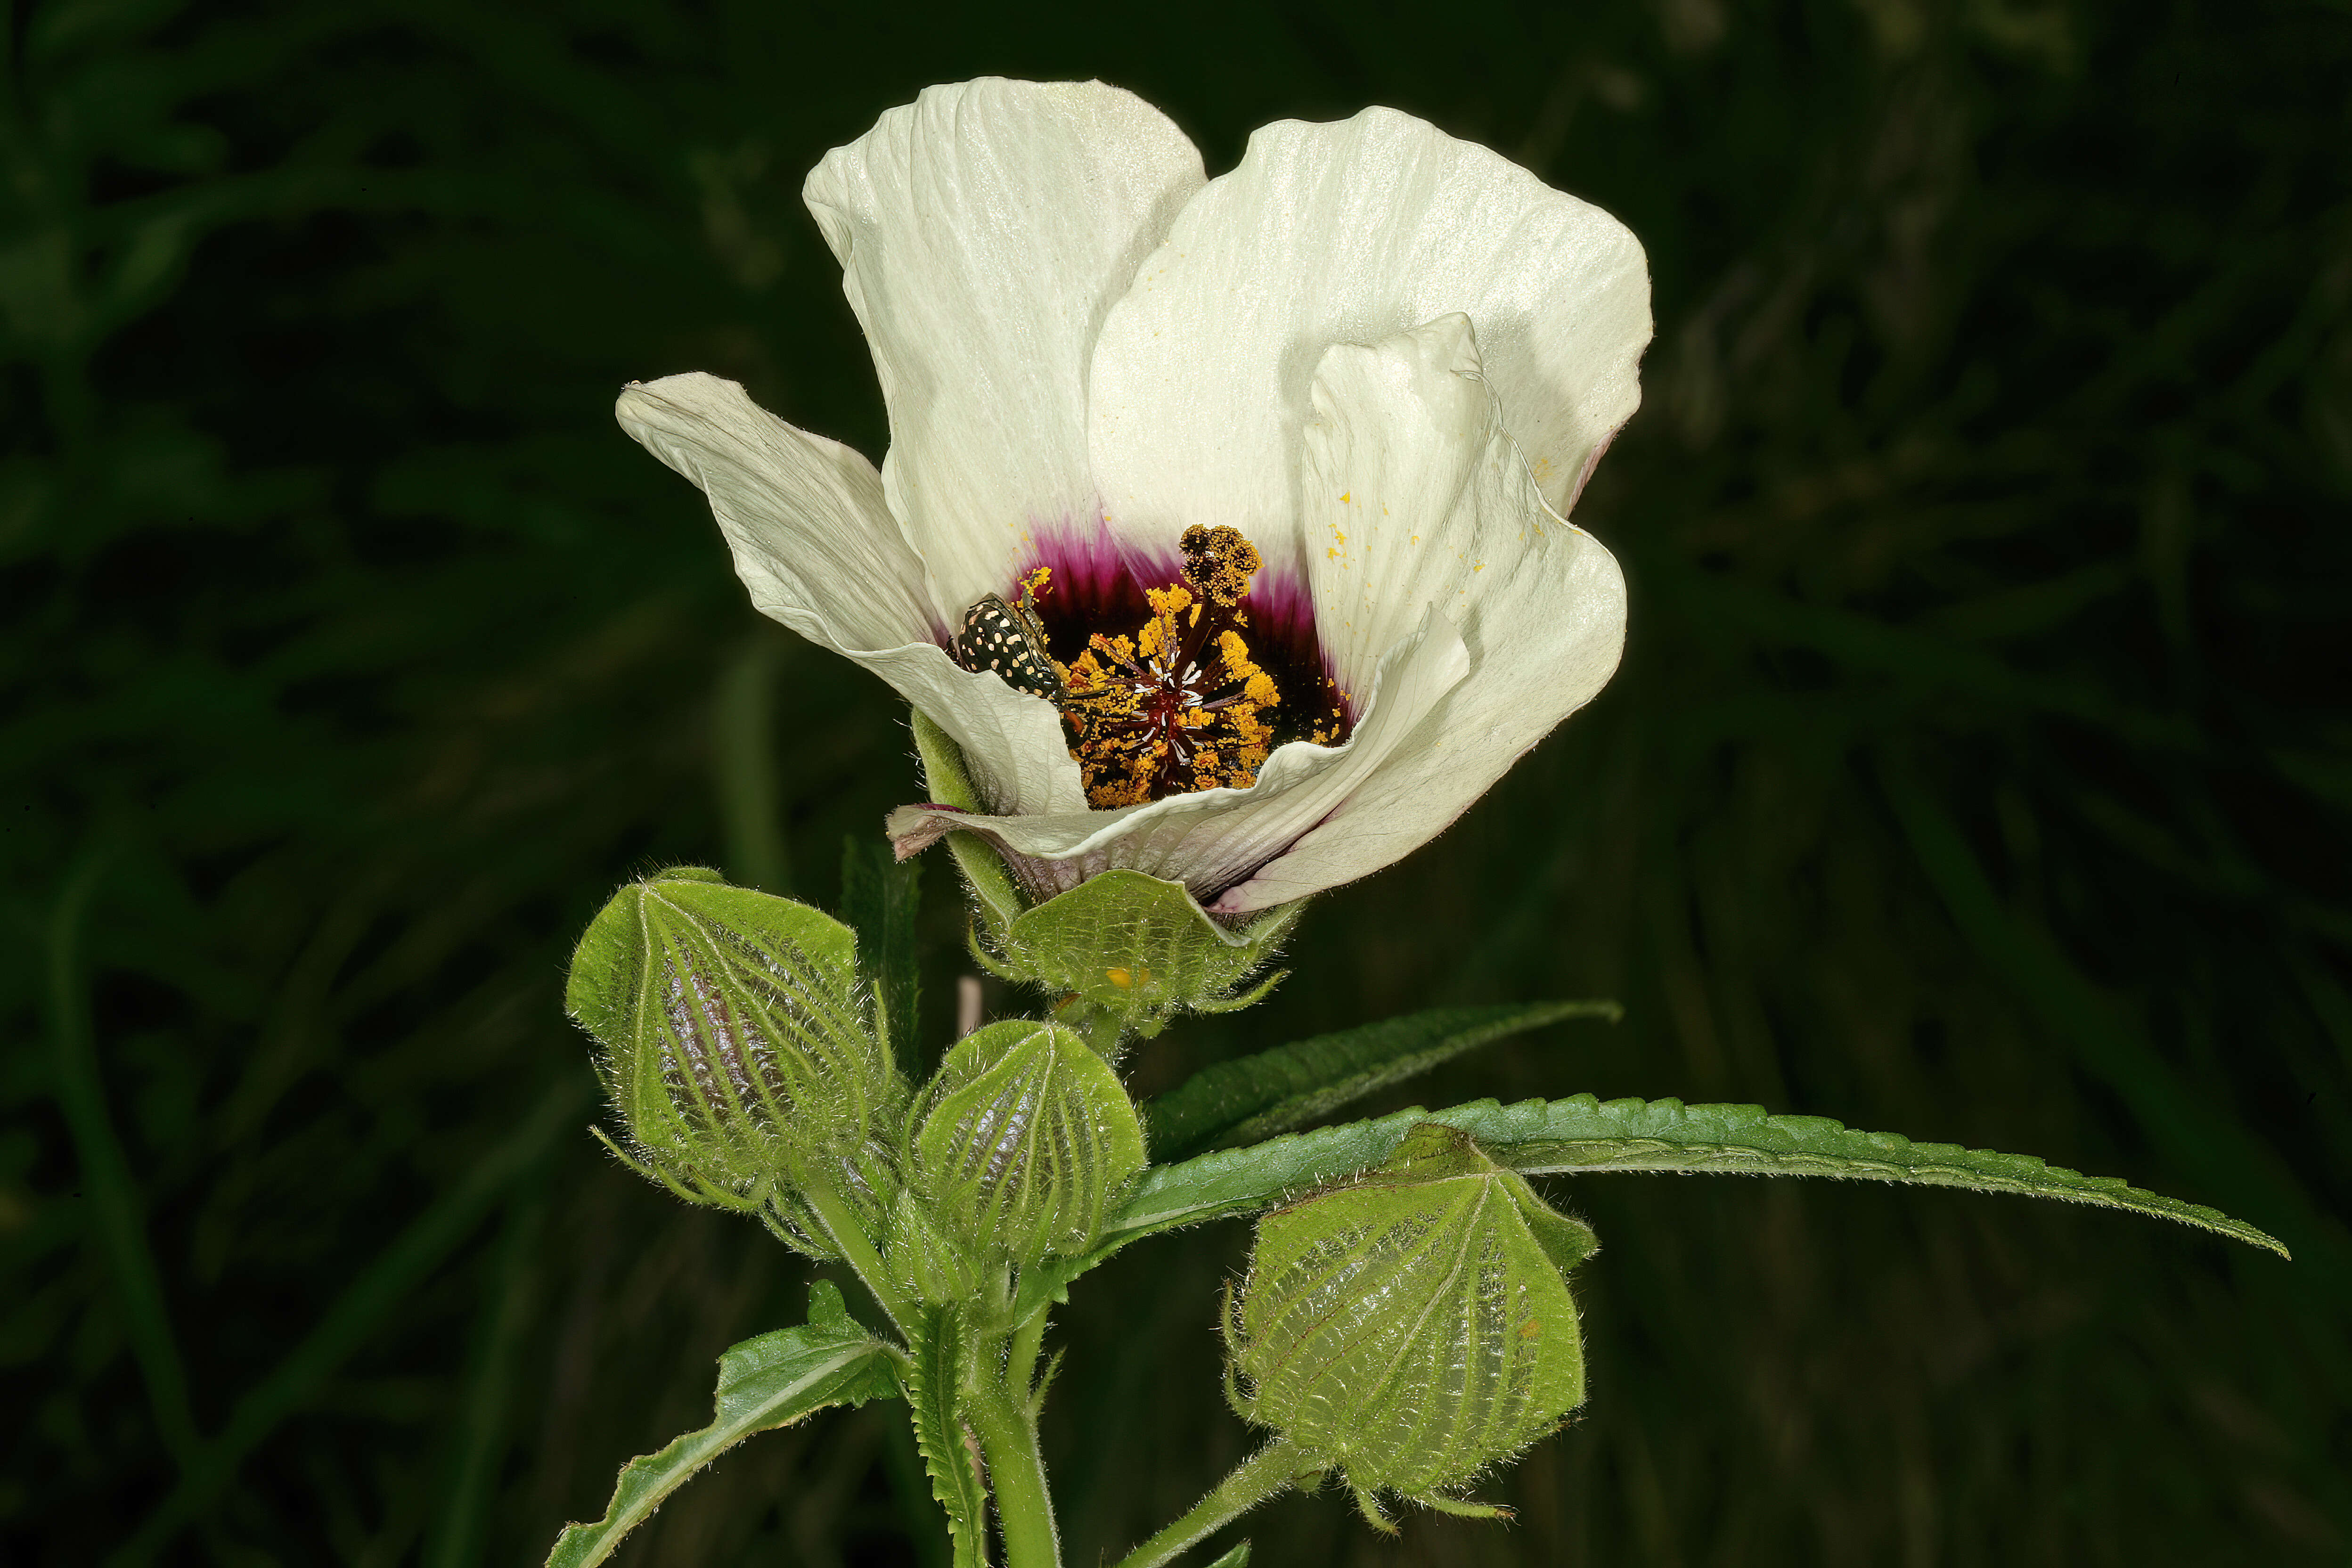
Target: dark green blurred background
[(1979, 769)]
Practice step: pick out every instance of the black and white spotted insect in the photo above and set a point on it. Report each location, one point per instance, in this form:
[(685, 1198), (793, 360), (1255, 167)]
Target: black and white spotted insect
[(1007, 640)]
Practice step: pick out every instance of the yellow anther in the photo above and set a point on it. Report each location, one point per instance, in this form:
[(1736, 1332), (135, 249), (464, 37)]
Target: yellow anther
[(1179, 705)]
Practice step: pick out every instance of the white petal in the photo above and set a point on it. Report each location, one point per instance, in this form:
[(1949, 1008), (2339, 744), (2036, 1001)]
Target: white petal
[(1407, 457), (1349, 233), (818, 550), (804, 515), (1216, 838), (1012, 743), (983, 231)]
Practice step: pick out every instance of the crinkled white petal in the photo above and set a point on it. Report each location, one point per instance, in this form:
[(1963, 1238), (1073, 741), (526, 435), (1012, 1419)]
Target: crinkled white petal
[(1349, 233), (804, 515), (1216, 838), (983, 231), (818, 550), (1411, 471)]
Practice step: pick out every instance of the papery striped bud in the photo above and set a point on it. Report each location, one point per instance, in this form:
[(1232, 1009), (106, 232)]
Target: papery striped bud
[(1414, 1327), (1023, 1142), (736, 1047)]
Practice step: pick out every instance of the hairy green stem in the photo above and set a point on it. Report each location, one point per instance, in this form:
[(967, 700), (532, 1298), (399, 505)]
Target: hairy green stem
[(1001, 1418), (841, 1227), (1021, 1359), (1103, 1029), (1261, 1476)]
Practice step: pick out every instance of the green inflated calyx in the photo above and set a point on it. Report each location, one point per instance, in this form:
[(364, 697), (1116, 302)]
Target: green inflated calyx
[(735, 1048), (1414, 1327), (1022, 1144), (1121, 952)]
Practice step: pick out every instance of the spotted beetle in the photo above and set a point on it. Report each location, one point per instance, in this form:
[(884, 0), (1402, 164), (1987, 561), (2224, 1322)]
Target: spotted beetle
[(1008, 639)]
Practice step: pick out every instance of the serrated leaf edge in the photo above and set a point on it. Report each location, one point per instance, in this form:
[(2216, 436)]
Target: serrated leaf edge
[(932, 1377), (1583, 1134), (1458, 1030)]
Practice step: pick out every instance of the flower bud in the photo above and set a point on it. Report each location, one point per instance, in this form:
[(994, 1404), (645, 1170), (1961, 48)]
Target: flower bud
[(1414, 1327), (735, 1046), (1023, 1142)]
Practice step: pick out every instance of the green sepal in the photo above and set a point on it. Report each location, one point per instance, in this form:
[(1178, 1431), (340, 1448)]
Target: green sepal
[(1586, 1135), (735, 1045), (1023, 1142), (1432, 1152), (1255, 1097), (1122, 952), (771, 1381), (1237, 1558), (927, 1261), (996, 900), (1125, 952), (1472, 1351)]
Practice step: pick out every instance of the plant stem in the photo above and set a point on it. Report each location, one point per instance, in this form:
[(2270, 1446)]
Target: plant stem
[(842, 1228), (1261, 1476), (1101, 1027), (1016, 1472), (1021, 1359)]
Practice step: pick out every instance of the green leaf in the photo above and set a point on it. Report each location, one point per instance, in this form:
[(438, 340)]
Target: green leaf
[(1237, 1558), (879, 894), (767, 1382), (934, 1378), (1584, 1134), (1252, 1098), (1141, 949)]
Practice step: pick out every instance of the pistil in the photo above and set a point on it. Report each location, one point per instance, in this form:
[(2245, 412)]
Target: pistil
[(1181, 705), (1184, 701)]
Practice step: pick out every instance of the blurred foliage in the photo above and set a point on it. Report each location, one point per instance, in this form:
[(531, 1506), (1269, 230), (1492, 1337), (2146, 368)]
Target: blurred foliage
[(1979, 769)]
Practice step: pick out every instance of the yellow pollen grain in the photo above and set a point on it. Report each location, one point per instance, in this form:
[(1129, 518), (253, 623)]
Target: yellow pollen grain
[(1131, 743)]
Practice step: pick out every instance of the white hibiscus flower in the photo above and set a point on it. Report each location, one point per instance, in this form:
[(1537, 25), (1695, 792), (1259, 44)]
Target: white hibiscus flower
[(1222, 525)]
